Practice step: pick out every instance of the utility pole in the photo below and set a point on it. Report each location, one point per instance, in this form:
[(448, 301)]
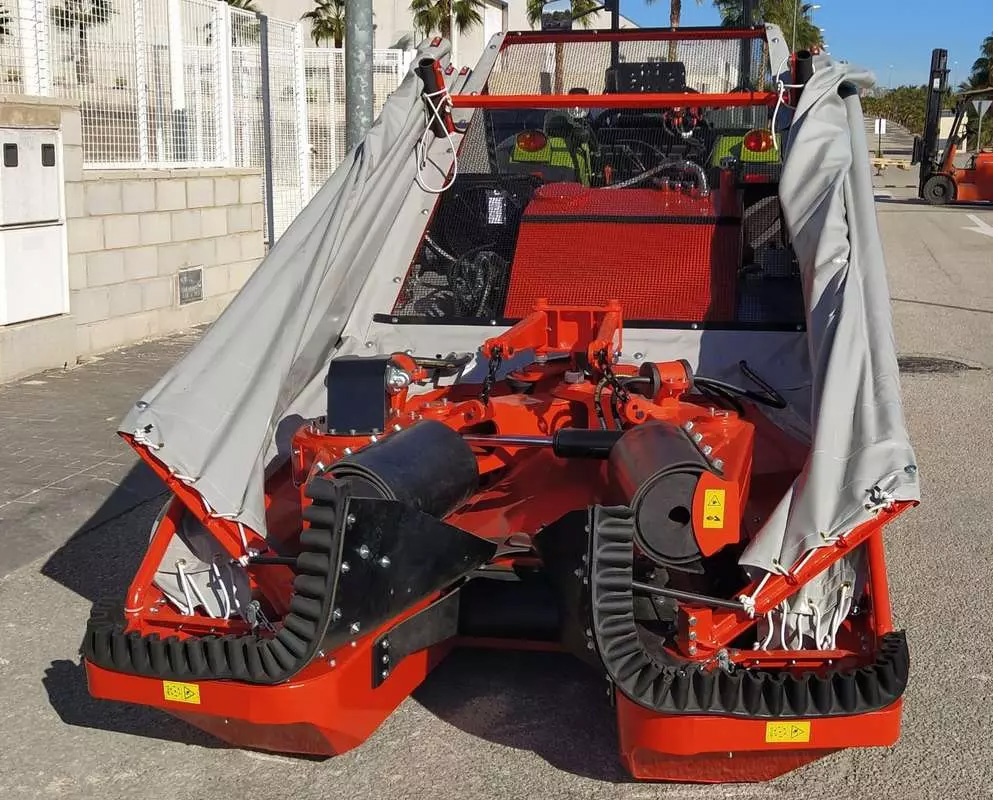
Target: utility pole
[(359, 57)]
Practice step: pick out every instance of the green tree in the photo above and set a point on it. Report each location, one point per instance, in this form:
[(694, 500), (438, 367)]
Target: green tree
[(584, 12), (981, 77), (437, 15), (328, 20), (776, 12), (78, 17), (244, 5), (982, 71)]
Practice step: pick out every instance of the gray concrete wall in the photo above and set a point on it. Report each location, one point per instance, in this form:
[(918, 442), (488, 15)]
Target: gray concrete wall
[(129, 235)]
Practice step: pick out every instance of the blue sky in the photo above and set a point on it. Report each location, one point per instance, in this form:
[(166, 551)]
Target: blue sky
[(872, 33)]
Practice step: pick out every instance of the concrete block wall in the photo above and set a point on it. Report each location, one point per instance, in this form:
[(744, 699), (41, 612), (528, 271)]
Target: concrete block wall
[(128, 235), (131, 232)]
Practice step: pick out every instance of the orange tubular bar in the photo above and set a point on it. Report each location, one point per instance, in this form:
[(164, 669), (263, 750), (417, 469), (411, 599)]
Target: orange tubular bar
[(224, 530), (729, 624), (691, 34), (623, 100)]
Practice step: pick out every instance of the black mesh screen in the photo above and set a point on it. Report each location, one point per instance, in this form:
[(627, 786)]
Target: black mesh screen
[(493, 244), (702, 65)]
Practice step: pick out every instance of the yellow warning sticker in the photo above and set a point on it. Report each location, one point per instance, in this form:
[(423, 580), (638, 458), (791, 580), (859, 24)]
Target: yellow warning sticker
[(788, 731), (182, 692), (713, 508)]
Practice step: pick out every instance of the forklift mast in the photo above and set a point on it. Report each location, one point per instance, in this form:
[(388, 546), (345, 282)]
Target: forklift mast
[(926, 147)]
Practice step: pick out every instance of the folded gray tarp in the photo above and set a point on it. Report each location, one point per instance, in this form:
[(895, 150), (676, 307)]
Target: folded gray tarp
[(222, 414)]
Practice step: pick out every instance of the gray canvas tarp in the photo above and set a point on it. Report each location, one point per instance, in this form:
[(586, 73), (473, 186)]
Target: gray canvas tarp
[(220, 415)]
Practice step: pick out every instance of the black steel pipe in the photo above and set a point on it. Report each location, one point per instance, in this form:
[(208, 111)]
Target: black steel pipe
[(679, 594), (567, 442)]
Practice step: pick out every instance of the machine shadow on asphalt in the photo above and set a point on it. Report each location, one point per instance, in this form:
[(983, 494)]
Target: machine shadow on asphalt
[(96, 559)]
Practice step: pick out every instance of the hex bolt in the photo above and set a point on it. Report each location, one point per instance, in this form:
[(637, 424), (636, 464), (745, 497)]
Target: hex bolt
[(385, 561), (384, 674), (385, 659), (384, 644), (332, 662), (355, 627), (693, 636), (590, 646), (707, 450), (697, 437), (364, 551), (344, 567), (693, 620), (337, 613), (351, 519), (693, 649), (687, 426), (911, 469), (717, 463)]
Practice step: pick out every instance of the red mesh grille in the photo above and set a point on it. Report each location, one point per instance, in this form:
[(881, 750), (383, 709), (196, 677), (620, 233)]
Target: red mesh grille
[(664, 256)]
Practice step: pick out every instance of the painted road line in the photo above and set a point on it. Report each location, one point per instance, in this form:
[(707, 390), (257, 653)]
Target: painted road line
[(980, 226)]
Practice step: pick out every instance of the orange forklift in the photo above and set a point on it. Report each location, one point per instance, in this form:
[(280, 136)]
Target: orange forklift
[(940, 181)]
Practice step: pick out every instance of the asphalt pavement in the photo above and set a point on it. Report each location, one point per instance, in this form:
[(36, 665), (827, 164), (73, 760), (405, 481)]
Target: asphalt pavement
[(495, 724)]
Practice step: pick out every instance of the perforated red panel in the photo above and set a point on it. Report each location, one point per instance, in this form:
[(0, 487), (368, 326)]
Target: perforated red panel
[(664, 257)]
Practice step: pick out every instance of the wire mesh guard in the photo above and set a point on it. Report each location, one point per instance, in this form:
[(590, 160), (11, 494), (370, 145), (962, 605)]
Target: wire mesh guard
[(707, 65), (585, 206), (180, 83)]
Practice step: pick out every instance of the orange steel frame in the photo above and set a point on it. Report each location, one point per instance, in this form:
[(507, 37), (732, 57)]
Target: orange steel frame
[(546, 330), (695, 748)]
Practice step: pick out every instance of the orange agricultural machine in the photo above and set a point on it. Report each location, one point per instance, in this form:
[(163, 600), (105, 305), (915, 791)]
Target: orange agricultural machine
[(594, 390)]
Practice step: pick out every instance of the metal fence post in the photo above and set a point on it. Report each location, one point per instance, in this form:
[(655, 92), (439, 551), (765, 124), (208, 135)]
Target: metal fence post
[(32, 21), (331, 56), (178, 99), (268, 149), (141, 80), (301, 115), (359, 69), (225, 141)]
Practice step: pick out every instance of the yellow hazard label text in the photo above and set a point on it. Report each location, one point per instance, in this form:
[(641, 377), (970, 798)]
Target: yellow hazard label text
[(713, 508), (788, 731), (182, 692)]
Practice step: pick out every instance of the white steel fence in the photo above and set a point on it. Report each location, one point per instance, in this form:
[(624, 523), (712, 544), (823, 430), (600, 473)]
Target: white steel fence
[(191, 83)]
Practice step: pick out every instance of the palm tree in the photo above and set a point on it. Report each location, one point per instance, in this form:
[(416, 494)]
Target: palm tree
[(79, 16), (244, 5), (436, 15), (777, 12), (328, 20), (583, 12), (982, 71), (981, 77)]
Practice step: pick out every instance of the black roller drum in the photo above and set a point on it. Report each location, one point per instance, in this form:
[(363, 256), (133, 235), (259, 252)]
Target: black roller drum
[(655, 468), (428, 466)]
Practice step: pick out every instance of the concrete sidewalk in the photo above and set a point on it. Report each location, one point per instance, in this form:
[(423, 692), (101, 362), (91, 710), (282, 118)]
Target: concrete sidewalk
[(61, 460)]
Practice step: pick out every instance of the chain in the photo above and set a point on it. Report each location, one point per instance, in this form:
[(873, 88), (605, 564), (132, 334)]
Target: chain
[(619, 392), (490, 380), (620, 395)]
